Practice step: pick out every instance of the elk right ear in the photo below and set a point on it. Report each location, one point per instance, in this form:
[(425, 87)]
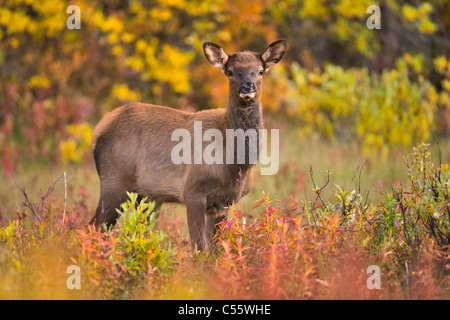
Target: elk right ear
[(274, 53), (215, 55)]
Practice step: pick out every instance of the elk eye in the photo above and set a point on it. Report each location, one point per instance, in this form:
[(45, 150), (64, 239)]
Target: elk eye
[(261, 72), (230, 73)]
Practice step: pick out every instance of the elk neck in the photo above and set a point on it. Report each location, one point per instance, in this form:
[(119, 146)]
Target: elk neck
[(244, 116)]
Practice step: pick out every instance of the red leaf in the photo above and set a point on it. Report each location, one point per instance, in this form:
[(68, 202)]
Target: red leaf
[(258, 204)]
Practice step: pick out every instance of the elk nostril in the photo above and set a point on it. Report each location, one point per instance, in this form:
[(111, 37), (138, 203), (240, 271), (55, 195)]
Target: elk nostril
[(247, 87)]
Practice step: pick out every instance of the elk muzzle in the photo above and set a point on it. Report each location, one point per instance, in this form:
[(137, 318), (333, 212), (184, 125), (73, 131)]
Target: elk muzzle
[(247, 90)]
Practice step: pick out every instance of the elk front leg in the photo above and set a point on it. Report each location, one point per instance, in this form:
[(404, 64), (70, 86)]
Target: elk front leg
[(213, 217), (196, 212)]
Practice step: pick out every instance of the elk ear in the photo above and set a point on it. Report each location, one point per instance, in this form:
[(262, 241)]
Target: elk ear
[(274, 53), (215, 55)]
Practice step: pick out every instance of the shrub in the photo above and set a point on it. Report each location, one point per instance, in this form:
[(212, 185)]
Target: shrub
[(378, 112), (140, 247), (421, 212), (120, 262)]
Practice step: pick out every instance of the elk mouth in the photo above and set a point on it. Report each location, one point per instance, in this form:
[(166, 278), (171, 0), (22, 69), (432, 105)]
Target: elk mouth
[(247, 96)]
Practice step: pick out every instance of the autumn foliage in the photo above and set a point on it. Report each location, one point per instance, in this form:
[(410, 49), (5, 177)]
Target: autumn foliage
[(296, 250), (380, 94), (340, 79)]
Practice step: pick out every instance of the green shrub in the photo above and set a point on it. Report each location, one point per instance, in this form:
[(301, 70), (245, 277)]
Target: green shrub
[(140, 246), (413, 214)]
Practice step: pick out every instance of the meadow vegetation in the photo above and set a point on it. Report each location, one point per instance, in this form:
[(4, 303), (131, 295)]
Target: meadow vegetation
[(272, 249)]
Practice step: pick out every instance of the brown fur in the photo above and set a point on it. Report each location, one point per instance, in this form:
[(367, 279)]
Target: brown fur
[(132, 152)]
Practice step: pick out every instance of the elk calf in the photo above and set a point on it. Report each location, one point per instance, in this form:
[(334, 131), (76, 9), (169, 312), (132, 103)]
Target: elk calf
[(133, 147)]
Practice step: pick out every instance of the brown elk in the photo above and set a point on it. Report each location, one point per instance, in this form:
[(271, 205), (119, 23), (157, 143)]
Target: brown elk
[(132, 147)]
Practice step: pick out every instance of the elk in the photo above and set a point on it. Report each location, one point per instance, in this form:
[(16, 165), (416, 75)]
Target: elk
[(132, 148)]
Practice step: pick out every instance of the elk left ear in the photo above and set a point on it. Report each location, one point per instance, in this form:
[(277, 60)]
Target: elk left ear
[(274, 53)]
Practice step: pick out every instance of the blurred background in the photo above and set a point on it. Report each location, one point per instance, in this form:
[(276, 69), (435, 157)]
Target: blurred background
[(345, 96)]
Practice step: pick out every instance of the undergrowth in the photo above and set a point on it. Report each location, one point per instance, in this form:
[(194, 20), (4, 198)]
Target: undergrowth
[(287, 250)]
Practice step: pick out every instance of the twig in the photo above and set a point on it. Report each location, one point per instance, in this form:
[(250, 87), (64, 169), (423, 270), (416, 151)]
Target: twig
[(27, 203), (65, 197), (440, 158), (319, 190), (365, 206), (359, 178)]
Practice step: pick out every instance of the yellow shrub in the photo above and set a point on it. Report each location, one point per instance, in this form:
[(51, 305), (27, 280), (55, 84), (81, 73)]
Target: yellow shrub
[(123, 93), (77, 144), (379, 112)]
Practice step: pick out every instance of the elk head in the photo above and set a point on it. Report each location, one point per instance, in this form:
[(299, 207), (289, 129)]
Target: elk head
[(245, 70)]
